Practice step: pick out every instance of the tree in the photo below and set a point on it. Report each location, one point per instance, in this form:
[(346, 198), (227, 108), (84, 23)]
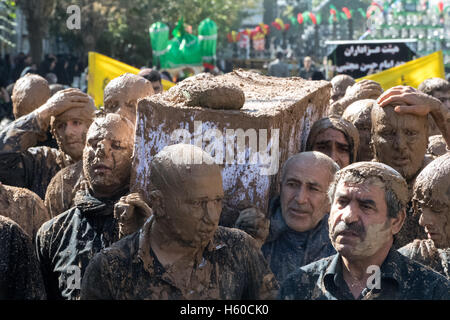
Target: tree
[(7, 24), (36, 13), (120, 28)]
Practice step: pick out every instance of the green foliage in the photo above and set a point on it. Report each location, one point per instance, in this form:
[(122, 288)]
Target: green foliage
[(7, 22), (122, 26)]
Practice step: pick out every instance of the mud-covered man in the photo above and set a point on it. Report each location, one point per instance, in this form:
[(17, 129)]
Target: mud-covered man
[(20, 277), (368, 209), (298, 232), (339, 85), (69, 112), (335, 137), (66, 243), (181, 252), (365, 89), (121, 97), (24, 207), (399, 139), (359, 113), (431, 200), (122, 94)]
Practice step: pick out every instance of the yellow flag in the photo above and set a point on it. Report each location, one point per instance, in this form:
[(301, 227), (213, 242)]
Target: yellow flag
[(103, 69), (411, 73)]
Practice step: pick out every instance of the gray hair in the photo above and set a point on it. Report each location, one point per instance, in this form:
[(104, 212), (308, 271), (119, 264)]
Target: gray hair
[(395, 187)]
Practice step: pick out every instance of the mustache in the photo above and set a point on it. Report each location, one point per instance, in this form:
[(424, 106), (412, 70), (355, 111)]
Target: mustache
[(354, 227)]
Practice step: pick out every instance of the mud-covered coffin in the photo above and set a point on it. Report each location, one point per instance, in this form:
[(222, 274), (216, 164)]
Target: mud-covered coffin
[(250, 144)]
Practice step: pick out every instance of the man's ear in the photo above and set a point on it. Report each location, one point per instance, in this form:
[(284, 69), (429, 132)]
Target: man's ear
[(397, 223), (157, 203)]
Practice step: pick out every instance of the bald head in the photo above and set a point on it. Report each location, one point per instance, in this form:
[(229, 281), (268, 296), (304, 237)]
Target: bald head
[(429, 86), (310, 158), (29, 93), (339, 84), (173, 167), (122, 94)]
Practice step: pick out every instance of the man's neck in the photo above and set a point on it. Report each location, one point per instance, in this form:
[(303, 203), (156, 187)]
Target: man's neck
[(355, 271), (105, 194), (170, 251)]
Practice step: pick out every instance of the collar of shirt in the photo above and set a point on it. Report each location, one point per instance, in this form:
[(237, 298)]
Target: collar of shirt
[(390, 273), (88, 204), (145, 246)]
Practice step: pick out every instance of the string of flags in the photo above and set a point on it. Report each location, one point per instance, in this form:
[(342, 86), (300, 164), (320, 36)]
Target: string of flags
[(309, 18)]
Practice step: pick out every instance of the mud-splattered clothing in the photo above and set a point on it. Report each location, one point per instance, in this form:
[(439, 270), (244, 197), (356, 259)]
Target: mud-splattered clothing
[(20, 277), (23, 207), (232, 268), (63, 187), (401, 279), (286, 250), (67, 243), (22, 164), (439, 262)]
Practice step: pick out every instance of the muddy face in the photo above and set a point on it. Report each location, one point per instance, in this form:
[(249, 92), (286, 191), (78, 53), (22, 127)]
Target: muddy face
[(107, 154), (359, 224), (193, 208), (436, 222), (70, 130), (431, 200), (333, 143), (303, 194), (122, 93), (399, 141)]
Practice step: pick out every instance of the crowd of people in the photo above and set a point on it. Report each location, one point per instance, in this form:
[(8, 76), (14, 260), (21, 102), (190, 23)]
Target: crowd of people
[(368, 195)]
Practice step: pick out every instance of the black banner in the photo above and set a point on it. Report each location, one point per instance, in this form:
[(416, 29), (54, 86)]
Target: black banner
[(359, 59)]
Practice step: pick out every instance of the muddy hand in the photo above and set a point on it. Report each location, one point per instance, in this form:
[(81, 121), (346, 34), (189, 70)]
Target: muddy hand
[(423, 250), (408, 100), (131, 212), (60, 102), (427, 249), (255, 223)]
